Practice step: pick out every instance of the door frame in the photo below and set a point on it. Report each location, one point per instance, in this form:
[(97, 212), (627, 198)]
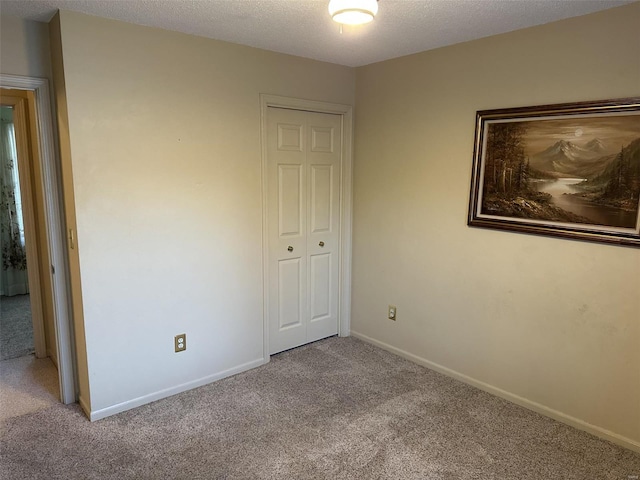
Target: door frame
[(346, 187), (50, 184)]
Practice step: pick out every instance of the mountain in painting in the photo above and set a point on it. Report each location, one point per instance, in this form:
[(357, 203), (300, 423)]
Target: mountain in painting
[(596, 145), (570, 160)]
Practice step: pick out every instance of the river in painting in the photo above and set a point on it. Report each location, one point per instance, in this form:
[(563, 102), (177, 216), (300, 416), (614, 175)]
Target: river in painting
[(562, 190)]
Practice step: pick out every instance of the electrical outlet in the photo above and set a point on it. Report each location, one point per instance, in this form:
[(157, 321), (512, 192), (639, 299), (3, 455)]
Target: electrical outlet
[(180, 342), (392, 312)]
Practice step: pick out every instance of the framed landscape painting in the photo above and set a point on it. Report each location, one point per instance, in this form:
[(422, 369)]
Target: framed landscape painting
[(569, 170)]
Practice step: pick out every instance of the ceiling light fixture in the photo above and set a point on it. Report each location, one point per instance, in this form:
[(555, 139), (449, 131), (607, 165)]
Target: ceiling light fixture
[(353, 12)]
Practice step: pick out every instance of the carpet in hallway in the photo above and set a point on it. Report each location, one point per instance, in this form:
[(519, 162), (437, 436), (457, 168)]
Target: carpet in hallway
[(16, 328)]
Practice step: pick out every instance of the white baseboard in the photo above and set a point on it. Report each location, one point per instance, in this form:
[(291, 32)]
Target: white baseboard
[(531, 405), (152, 397)]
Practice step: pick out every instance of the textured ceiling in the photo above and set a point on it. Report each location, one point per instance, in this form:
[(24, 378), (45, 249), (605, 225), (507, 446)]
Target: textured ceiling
[(304, 28)]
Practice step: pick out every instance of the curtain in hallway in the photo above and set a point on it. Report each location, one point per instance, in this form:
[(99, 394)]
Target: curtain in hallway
[(13, 267)]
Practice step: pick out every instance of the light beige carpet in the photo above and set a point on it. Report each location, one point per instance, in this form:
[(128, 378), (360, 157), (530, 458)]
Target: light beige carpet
[(335, 409), (27, 385)]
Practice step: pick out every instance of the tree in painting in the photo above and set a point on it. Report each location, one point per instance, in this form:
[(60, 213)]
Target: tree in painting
[(506, 170), (619, 184)]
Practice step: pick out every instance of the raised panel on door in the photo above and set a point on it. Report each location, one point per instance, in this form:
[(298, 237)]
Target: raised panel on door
[(290, 137), (321, 198), (322, 138), (290, 293), (290, 201), (321, 297)]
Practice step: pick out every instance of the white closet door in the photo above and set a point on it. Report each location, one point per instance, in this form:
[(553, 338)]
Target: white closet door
[(304, 153)]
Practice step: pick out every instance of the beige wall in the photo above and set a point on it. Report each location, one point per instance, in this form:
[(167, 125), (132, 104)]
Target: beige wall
[(555, 322), (24, 51), (24, 47), (164, 133)]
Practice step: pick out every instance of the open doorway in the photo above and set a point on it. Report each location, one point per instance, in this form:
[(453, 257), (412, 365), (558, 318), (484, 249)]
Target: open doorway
[(34, 265), (16, 320), (28, 375)]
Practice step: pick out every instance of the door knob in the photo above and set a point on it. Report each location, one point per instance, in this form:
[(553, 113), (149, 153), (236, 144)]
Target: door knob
[(321, 244), (290, 248)]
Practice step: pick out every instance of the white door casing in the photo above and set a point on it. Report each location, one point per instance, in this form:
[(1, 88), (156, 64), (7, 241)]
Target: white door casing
[(306, 206)]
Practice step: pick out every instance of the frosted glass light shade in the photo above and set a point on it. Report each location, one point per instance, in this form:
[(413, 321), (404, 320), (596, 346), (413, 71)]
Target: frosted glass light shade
[(353, 12)]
